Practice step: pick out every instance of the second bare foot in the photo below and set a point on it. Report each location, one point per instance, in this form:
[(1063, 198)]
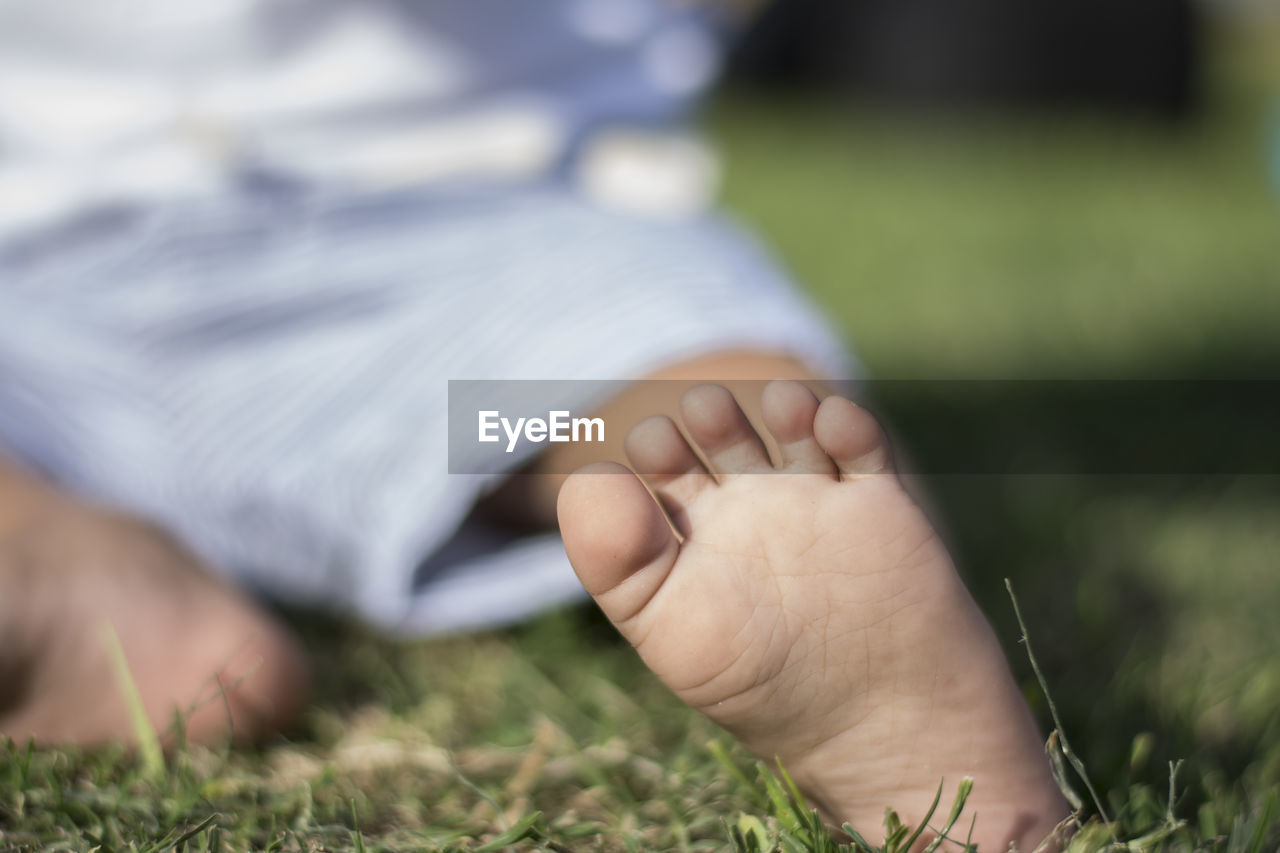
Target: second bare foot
[(71, 574)]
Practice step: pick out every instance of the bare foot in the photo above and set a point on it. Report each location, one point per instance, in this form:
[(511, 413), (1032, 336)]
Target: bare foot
[(193, 646), (814, 614)]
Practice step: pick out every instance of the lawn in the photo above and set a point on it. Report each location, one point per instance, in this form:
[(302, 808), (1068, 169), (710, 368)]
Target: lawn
[(1037, 248)]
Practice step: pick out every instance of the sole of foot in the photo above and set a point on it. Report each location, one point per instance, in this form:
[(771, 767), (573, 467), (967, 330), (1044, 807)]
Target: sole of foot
[(809, 608)]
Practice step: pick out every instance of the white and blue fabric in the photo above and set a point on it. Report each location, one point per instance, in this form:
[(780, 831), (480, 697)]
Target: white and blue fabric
[(244, 245)]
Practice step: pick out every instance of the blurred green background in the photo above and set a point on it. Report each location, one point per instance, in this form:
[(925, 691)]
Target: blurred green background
[(1052, 245)]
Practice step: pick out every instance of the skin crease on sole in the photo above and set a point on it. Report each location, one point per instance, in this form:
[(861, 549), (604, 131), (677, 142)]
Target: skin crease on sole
[(812, 611)]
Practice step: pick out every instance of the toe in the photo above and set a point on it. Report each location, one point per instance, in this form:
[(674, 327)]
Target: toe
[(660, 454), (717, 424), (789, 408), (616, 537), (852, 437)]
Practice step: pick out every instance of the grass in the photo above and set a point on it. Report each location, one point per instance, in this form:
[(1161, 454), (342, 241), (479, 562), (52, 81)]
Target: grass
[(1032, 248)]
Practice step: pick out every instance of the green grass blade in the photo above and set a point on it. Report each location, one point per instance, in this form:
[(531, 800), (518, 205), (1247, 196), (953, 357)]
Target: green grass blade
[(779, 805), (791, 844), (1174, 767), (752, 831), (143, 732), (169, 841), (962, 797), (722, 757), (957, 806), (924, 823), (858, 840), (796, 800), (895, 832), (357, 837), (526, 827), (1259, 835), (195, 830)]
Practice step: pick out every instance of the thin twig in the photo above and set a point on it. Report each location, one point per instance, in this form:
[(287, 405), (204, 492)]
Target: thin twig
[(1053, 712)]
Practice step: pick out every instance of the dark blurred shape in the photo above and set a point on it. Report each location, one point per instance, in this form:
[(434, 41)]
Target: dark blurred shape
[(1130, 55)]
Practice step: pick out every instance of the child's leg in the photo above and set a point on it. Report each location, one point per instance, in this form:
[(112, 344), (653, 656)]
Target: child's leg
[(67, 570), (814, 614)]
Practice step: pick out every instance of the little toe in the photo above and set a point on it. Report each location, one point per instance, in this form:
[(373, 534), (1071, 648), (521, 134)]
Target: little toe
[(789, 408), (852, 437), (715, 421), (616, 537), (660, 454)]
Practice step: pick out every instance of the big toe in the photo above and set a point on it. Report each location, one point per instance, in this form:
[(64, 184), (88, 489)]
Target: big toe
[(617, 538)]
